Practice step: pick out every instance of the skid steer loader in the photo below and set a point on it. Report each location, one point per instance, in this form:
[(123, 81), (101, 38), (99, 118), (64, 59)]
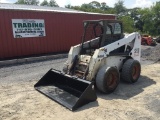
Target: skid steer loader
[(104, 56)]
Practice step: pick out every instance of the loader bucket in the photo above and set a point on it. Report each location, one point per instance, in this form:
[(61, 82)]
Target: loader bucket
[(69, 91)]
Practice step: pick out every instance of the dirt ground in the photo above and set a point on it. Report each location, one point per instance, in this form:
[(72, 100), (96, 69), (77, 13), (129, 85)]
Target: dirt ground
[(139, 101)]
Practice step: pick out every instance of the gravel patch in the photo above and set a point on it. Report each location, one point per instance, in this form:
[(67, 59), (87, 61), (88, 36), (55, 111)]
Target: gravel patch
[(31, 71), (151, 53)]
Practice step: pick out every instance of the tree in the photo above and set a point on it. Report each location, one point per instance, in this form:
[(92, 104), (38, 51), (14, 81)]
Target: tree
[(145, 20), (53, 3), (147, 17), (33, 2), (68, 6), (95, 4), (134, 13), (28, 2), (86, 6), (156, 17), (20, 2), (136, 16), (119, 7), (128, 24), (104, 6), (44, 3)]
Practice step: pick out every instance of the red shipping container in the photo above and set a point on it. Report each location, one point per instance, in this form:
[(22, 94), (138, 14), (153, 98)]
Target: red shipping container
[(63, 30)]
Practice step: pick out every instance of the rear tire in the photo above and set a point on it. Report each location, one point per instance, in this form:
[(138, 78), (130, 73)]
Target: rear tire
[(107, 79), (131, 71)]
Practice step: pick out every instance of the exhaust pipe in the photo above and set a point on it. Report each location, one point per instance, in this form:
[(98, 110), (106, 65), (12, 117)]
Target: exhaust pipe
[(68, 91)]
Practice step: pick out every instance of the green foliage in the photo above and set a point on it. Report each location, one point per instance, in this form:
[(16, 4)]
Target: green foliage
[(119, 7), (28, 2), (20, 2), (156, 17), (148, 20), (93, 7), (104, 6), (128, 24), (95, 4), (53, 3), (68, 6), (144, 20), (44, 3), (33, 2)]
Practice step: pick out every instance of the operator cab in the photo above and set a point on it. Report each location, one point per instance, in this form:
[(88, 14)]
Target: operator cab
[(99, 33)]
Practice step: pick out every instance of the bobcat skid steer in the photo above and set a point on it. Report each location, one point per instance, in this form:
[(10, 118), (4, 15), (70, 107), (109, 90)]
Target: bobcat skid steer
[(104, 56)]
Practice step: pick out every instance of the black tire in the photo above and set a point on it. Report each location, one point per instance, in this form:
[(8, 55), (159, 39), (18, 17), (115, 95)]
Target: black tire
[(153, 44), (131, 71), (107, 79), (158, 40)]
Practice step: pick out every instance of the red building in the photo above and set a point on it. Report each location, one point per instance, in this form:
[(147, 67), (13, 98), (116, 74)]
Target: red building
[(34, 30)]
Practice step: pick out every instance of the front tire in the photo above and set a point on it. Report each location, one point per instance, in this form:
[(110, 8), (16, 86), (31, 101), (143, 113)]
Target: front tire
[(107, 79), (131, 71)]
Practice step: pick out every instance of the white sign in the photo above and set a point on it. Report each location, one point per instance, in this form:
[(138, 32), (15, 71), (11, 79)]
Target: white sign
[(28, 28)]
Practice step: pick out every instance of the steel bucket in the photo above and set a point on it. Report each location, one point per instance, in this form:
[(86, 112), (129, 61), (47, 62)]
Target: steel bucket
[(68, 91)]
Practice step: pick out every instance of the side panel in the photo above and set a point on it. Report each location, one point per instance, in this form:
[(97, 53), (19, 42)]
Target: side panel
[(101, 56)]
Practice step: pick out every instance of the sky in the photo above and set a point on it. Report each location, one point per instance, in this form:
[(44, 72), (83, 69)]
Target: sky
[(127, 3)]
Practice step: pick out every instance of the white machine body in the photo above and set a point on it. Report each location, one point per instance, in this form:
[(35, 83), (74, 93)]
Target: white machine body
[(103, 56)]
